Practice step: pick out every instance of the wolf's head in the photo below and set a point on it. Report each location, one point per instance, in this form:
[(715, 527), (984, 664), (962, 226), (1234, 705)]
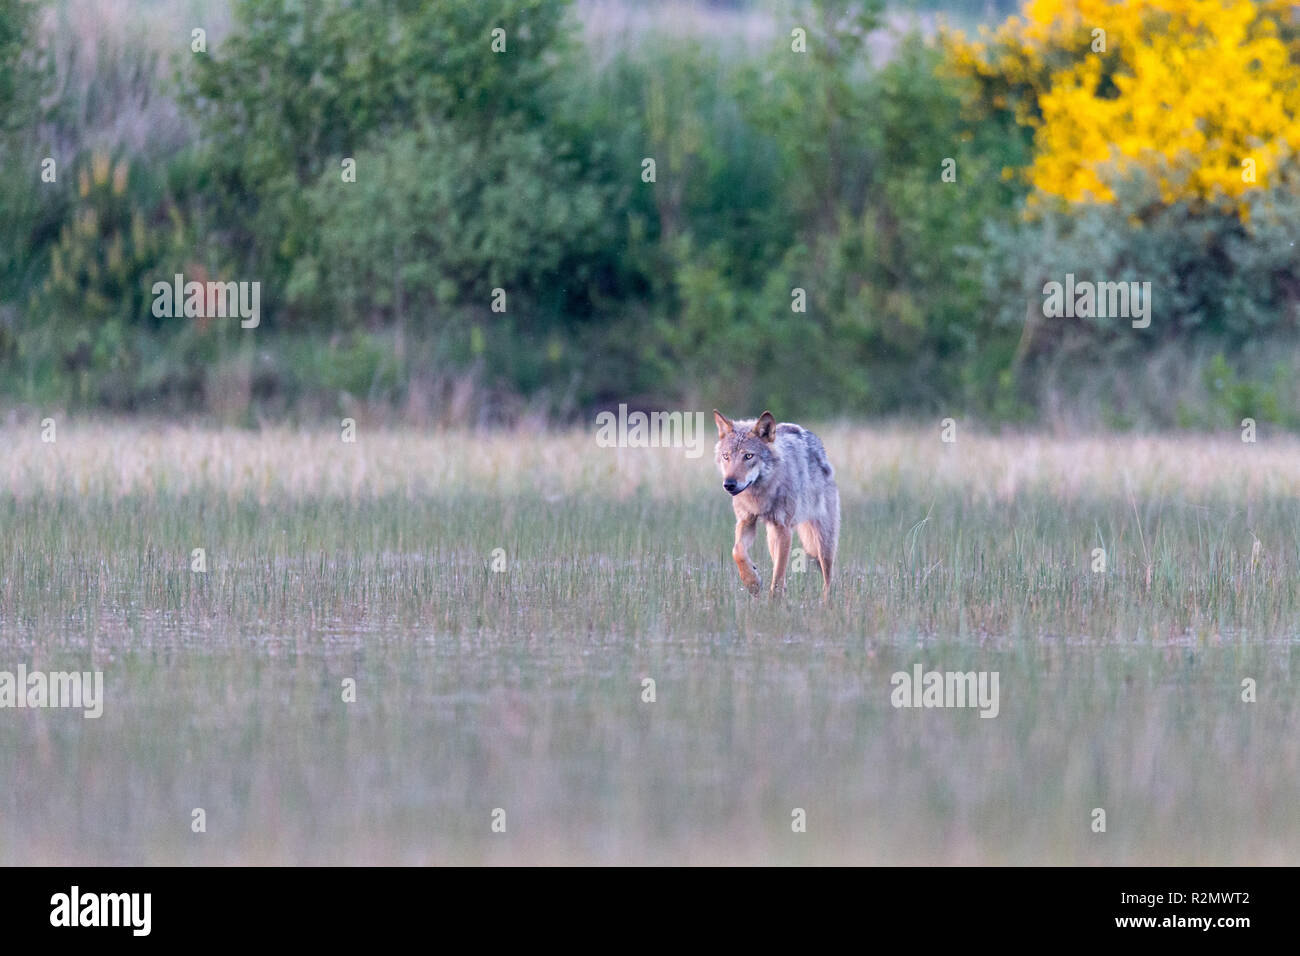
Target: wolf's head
[(744, 450)]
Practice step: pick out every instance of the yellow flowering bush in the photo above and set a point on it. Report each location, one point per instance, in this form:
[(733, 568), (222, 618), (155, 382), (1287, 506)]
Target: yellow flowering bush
[(1201, 96)]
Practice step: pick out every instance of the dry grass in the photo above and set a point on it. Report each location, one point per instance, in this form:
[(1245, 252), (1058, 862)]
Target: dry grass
[(125, 459), (115, 63), (521, 689)]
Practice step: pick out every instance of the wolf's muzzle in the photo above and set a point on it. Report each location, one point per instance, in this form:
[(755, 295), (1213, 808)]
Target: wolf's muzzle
[(733, 487)]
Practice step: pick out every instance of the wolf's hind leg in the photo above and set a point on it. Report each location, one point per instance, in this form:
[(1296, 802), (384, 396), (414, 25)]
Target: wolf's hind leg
[(778, 543), (812, 535), (825, 562), (808, 538), (828, 537)]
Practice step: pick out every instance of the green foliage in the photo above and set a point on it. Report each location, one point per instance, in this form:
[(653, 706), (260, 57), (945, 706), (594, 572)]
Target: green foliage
[(1236, 399), (436, 221), (300, 86), (776, 171), (1213, 279), (91, 320), (27, 217), (21, 65), (884, 249)]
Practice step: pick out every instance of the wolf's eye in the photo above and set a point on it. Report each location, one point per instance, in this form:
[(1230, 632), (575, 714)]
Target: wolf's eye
[(726, 458), (748, 456)]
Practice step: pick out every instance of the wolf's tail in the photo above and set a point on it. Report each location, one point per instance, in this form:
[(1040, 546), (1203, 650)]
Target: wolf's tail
[(819, 455)]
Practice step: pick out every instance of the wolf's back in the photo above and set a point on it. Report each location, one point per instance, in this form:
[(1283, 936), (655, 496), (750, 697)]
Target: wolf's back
[(810, 444)]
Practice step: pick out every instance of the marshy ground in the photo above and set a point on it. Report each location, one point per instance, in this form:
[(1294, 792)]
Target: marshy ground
[(522, 689)]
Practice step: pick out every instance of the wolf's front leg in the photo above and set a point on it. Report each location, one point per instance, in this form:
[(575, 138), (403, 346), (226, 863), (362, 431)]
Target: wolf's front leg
[(746, 529), (778, 543)]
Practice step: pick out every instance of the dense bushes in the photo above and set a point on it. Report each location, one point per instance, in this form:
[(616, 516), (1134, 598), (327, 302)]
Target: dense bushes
[(23, 76), (1163, 134), (415, 238), (824, 234), (1181, 91), (300, 86)]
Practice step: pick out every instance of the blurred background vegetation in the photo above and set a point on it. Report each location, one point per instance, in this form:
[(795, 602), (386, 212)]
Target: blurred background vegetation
[(775, 171)]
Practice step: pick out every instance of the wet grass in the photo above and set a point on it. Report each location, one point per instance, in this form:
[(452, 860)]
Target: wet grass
[(521, 689)]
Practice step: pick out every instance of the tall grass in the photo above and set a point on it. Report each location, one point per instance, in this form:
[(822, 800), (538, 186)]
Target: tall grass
[(521, 689)]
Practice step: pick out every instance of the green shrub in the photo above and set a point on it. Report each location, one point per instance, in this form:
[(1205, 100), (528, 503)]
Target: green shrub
[(28, 214), (1213, 277), (298, 87), (437, 220), (888, 253), (90, 322)]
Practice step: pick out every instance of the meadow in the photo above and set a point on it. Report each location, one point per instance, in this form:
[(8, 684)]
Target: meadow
[(500, 597)]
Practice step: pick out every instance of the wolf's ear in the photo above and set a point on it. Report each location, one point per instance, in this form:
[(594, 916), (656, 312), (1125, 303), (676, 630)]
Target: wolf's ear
[(765, 427), (724, 423)]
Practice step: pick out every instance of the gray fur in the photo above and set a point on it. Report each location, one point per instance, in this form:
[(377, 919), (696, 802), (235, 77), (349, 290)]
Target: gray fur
[(788, 484)]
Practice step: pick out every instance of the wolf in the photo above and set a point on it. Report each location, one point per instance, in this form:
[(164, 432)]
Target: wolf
[(779, 473)]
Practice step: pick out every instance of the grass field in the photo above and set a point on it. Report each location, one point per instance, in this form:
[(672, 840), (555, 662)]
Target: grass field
[(522, 689)]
